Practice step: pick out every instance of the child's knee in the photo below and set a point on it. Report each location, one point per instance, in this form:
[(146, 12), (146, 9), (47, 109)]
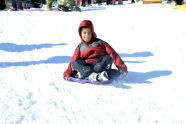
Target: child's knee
[(98, 68), (75, 64)]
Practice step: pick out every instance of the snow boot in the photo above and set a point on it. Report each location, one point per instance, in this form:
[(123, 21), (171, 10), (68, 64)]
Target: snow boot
[(103, 76), (93, 76)]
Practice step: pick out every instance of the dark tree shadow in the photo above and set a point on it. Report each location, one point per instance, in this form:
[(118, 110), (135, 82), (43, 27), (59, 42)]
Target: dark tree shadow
[(139, 78), (11, 47), (52, 60)]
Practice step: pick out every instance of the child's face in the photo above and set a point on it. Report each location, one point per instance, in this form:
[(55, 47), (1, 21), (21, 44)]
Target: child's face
[(86, 34)]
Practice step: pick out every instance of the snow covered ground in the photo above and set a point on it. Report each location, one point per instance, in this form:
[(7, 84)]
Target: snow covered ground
[(35, 48)]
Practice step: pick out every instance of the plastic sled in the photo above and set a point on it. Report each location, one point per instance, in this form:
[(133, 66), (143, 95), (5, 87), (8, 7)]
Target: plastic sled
[(113, 74)]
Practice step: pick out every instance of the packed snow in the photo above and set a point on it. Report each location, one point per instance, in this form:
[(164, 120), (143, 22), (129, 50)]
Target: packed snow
[(36, 47)]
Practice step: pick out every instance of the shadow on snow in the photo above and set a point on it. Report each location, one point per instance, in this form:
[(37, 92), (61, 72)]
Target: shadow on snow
[(11, 47), (132, 77), (137, 54), (139, 78), (92, 8), (52, 60), (61, 59)]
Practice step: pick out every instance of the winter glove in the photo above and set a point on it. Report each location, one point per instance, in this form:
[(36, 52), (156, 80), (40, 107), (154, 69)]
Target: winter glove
[(66, 76), (123, 71)]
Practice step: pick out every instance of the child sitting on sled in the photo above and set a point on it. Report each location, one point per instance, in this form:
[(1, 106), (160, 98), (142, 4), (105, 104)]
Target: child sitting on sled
[(93, 57)]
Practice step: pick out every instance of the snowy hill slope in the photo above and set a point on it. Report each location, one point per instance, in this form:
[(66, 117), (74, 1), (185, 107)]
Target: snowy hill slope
[(35, 48)]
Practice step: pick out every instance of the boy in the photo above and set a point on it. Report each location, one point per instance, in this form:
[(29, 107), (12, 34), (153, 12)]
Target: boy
[(93, 57)]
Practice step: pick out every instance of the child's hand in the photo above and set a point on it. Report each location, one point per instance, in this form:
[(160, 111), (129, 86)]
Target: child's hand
[(123, 71), (65, 77)]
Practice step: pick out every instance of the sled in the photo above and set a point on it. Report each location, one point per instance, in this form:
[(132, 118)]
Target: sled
[(113, 74), (151, 1)]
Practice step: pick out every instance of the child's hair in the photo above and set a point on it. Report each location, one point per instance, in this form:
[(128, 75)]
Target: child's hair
[(81, 28)]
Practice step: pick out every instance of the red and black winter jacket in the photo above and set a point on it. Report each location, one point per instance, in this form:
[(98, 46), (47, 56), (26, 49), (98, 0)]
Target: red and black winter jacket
[(93, 50)]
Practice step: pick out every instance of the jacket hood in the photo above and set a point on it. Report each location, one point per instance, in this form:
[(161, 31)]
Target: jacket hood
[(88, 24)]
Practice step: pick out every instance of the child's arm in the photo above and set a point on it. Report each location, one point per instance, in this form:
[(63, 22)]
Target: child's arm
[(116, 58), (69, 70)]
